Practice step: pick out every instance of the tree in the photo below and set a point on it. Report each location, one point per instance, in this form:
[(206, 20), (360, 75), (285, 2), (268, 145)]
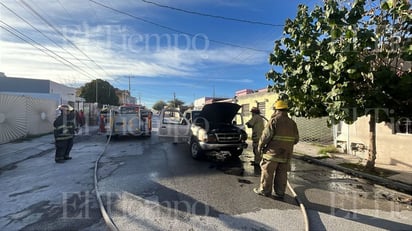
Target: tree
[(159, 105), (106, 93), (176, 103), (346, 61)]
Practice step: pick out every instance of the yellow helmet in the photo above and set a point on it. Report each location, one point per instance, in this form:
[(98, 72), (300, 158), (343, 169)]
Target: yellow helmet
[(280, 104)]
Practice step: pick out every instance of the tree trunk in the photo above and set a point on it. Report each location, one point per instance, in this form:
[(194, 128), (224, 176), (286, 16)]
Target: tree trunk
[(370, 164)]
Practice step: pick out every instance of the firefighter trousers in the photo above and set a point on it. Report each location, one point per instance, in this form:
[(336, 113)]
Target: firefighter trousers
[(256, 153), (63, 148), (274, 174)]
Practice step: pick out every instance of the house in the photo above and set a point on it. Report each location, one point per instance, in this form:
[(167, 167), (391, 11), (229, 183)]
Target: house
[(38, 88), (393, 140), (310, 130), (28, 106)]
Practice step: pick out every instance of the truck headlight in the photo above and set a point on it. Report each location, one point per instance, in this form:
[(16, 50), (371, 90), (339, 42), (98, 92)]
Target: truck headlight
[(211, 138), (202, 134)]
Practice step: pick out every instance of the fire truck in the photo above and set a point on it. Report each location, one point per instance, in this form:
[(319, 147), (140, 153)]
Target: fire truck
[(130, 120)]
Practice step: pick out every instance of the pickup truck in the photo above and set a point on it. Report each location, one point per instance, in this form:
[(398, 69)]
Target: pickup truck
[(210, 129), (130, 120)]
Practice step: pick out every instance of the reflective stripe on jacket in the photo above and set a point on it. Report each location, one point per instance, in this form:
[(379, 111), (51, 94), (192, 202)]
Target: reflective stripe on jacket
[(278, 138), (285, 138), (64, 127)]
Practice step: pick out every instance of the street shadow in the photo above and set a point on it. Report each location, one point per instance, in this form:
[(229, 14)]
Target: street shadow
[(146, 192), (236, 166), (317, 224), (397, 162), (126, 138), (162, 206)]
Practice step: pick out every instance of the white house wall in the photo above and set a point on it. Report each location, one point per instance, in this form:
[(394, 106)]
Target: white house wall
[(67, 94), (13, 117), (23, 115), (41, 114)]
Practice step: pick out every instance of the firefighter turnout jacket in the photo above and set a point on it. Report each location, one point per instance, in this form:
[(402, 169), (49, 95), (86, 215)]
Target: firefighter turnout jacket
[(257, 125), (64, 126), (278, 138)]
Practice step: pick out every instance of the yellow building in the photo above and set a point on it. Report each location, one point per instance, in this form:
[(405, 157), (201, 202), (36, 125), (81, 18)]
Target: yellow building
[(310, 130), (394, 140)]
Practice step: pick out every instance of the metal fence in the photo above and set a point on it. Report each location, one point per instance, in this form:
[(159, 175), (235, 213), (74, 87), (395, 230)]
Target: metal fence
[(314, 130), (21, 116)]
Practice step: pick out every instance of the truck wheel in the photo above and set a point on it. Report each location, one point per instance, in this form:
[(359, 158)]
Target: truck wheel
[(236, 152), (195, 150)]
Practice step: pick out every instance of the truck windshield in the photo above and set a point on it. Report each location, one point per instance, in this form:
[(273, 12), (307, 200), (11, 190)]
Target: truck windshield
[(128, 110)]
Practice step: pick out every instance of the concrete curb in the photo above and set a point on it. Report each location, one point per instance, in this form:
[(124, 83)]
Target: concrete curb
[(398, 186)]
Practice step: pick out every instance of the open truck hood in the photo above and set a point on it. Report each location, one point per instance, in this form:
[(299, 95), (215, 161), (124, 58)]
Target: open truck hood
[(220, 112)]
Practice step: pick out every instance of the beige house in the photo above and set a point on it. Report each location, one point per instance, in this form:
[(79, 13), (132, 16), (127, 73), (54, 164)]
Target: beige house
[(393, 140)]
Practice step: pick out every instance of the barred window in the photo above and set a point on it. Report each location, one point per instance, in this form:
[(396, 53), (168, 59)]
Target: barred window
[(245, 110), (262, 108), (404, 126)]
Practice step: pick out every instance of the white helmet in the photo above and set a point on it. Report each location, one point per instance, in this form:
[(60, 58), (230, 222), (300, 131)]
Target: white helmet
[(65, 107)]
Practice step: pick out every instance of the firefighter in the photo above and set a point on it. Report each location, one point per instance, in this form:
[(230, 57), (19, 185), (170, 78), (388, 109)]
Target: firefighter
[(276, 145), (64, 130), (102, 123), (257, 125)]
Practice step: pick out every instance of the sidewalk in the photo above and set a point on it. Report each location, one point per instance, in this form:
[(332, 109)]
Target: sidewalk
[(401, 181), (26, 148)]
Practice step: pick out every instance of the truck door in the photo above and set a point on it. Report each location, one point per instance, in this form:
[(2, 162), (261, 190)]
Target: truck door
[(173, 125)]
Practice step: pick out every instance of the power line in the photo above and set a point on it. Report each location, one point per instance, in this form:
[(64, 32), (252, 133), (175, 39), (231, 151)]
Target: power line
[(173, 29), (213, 16), (73, 66), (61, 34), (31, 25)]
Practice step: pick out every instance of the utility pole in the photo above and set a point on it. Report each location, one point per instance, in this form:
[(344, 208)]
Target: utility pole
[(96, 91), (130, 93), (174, 99)]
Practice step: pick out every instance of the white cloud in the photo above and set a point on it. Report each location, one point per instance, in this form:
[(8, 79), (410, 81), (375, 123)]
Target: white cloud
[(117, 48)]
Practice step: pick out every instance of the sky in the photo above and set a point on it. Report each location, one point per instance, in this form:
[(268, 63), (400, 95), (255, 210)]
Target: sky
[(183, 48)]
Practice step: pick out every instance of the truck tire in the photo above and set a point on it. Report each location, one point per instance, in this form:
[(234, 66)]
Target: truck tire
[(195, 149)]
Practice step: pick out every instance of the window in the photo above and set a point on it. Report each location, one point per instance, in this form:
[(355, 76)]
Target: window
[(339, 128), (172, 117), (262, 108), (245, 110), (404, 126)]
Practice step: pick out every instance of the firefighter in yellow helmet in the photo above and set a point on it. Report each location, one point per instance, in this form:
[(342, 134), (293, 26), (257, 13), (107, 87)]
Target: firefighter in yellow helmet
[(64, 130), (276, 146)]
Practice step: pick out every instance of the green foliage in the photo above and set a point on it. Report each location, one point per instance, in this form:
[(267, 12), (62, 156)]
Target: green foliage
[(328, 149), (159, 105), (341, 61), (176, 103), (106, 93)]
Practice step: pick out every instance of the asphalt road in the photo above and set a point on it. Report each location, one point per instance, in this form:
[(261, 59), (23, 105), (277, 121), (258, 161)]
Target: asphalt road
[(38, 194), (152, 184)]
